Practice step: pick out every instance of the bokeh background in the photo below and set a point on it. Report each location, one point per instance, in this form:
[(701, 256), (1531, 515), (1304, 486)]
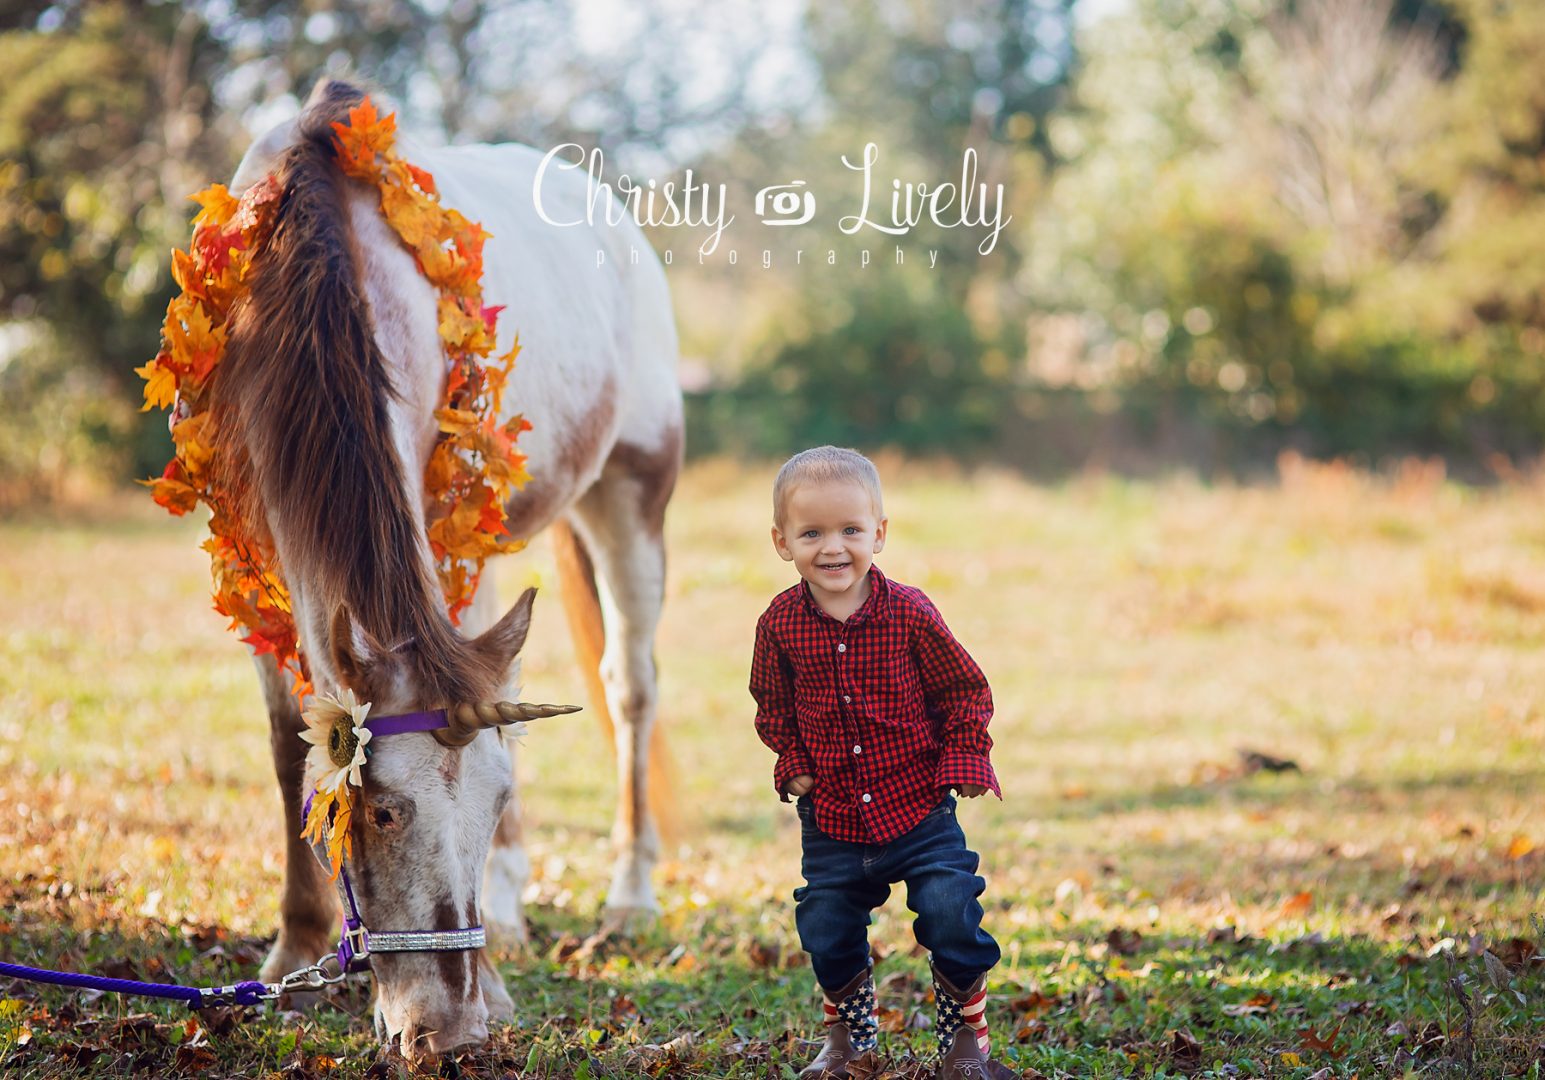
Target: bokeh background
[(1238, 226)]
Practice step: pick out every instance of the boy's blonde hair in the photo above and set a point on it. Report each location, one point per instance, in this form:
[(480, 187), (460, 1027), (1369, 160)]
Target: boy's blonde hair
[(826, 465)]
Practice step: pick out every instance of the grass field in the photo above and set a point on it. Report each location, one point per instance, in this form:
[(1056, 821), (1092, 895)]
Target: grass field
[(1163, 908)]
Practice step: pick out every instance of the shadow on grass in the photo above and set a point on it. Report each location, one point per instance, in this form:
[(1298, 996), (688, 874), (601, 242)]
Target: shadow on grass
[(1268, 791)]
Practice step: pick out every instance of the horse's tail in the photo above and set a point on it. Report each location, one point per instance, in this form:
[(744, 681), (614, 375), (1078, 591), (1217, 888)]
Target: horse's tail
[(582, 605)]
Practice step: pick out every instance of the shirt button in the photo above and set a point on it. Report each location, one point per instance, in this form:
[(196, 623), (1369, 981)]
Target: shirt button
[(842, 647), (846, 700), (868, 797), (858, 749)]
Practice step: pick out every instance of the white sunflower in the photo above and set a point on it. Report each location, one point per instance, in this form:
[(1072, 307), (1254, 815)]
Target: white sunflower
[(335, 728)]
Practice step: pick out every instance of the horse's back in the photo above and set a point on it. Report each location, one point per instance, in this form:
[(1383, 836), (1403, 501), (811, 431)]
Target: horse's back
[(589, 301)]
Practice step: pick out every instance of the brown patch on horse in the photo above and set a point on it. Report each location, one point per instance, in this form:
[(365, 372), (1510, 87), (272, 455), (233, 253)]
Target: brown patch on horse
[(508, 833), (455, 966), (655, 472), (301, 403), (553, 487)]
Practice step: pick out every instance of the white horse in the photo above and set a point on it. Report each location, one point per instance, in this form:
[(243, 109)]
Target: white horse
[(332, 374)]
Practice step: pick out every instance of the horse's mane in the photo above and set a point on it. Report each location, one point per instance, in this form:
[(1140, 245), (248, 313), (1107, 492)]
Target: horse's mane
[(301, 408)]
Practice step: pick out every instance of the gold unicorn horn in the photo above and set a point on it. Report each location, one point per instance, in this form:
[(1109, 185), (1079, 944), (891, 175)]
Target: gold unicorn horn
[(469, 718)]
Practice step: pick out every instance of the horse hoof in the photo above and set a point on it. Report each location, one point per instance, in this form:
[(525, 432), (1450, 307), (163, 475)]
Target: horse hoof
[(287, 956), (501, 1008), (507, 939), (625, 921)]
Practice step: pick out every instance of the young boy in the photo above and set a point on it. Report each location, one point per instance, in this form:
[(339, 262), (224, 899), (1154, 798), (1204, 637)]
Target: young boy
[(875, 712)]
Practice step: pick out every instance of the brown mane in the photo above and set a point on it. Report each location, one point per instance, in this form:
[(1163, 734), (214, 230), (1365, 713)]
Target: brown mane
[(300, 402)]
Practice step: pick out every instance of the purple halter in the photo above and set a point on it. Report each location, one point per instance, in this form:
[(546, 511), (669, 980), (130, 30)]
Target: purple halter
[(355, 942)]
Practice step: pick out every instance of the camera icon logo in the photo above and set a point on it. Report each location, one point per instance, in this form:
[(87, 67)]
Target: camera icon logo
[(777, 204)]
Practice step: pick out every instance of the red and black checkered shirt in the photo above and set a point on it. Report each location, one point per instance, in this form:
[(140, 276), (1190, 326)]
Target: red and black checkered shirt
[(886, 710)]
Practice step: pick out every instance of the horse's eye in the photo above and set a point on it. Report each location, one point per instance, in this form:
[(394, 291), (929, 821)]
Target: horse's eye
[(384, 818)]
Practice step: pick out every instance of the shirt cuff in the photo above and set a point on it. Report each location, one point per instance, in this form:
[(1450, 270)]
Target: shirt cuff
[(959, 767), (791, 763)]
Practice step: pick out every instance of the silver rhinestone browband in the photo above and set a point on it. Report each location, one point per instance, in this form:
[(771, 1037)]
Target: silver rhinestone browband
[(472, 937)]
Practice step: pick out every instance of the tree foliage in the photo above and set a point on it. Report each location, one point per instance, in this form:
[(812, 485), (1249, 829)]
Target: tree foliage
[(1319, 219)]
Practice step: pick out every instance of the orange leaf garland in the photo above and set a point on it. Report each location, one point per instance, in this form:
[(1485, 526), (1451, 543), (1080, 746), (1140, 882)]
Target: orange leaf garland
[(471, 472)]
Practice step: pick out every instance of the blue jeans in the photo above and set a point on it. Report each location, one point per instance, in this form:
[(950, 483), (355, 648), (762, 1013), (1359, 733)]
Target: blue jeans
[(845, 882)]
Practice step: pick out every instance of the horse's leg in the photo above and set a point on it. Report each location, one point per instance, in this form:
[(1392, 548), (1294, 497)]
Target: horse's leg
[(308, 909), (506, 873), (621, 521), (508, 868)]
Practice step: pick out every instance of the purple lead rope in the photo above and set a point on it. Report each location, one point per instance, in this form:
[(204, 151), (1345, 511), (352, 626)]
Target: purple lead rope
[(249, 992), (313, 977)]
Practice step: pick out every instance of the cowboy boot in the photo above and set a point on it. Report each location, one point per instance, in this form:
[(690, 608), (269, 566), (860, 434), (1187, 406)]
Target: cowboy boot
[(852, 1028), (962, 1032)]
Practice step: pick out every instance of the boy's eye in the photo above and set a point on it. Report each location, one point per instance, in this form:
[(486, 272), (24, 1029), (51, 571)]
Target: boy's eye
[(810, 534), (851, 530)]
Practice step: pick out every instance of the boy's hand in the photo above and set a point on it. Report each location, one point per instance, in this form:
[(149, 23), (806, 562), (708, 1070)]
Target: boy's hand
[(971, 791), (800, 785)]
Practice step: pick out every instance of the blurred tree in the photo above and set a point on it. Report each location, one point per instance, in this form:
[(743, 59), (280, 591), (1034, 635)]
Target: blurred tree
[(114, 111), (896, 363), (1259, 224)]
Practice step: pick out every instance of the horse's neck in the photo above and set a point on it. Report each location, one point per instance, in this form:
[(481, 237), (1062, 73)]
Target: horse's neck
[(403, 310)]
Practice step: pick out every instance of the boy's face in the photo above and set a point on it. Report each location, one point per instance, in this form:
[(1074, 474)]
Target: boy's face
[(831, 535)]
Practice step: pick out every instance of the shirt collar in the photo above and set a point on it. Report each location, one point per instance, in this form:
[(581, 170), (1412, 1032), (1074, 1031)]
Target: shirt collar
[(877, 606)]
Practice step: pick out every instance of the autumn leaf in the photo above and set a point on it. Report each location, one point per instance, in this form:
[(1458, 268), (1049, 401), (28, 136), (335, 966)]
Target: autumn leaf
[(423, 178), (364, 136), (456, 421), (216, 205), (1519, 847), (441, 467), (193, 448), (215, 245), (1297, 905), (1123, 942), (160, 386), (414, 218), (1259, 1003), (194, 343), (171, 491), (1327, 1045), (455, 380), (491, 519), (187, 275), (463, 332)]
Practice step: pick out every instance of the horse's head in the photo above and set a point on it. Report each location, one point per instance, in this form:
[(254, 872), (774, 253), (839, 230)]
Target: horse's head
[(422, 825)]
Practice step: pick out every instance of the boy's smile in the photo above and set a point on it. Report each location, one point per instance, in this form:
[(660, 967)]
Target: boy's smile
[(831, 534)]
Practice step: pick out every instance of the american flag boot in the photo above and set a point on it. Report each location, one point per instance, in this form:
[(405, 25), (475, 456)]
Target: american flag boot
[(962, 1032), (852, 1028)]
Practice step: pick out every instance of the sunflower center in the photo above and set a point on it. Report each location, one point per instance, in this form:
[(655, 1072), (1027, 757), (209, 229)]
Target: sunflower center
[(342, 742)]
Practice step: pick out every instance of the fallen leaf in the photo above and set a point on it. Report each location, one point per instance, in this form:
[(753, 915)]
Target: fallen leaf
[(1033, 1004), (1297, 905), (763, 956), (1256, 761), (1327, 1045), (1515, 952), (1124, 942), (1260, 1003), (1184, 1050), (1496, 971)]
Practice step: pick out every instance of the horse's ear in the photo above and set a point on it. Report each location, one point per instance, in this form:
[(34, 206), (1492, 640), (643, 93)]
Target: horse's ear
[(355, 652), (502, 641)]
